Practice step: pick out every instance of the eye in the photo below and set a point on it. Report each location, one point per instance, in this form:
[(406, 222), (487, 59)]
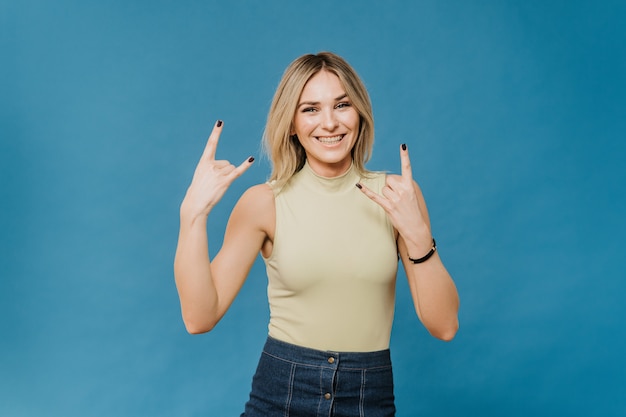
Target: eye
[(308, 110), (343, 104)]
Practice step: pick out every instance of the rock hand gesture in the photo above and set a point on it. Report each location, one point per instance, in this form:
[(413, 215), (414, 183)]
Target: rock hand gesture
[(211, 178)]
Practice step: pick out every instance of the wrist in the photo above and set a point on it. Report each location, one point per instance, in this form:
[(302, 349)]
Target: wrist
[(190, 214), (418, 240), (426, 257)]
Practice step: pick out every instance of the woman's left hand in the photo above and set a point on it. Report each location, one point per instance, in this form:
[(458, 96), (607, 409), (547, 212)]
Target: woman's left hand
[(403, 202)]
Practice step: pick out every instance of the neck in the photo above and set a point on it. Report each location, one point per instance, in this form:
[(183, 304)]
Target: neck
[(330, 170)]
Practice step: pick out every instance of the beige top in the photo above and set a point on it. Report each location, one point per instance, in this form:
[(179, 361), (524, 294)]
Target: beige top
[(332, 271)]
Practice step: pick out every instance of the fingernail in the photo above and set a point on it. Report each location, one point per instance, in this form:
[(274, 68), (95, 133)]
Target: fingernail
[(404, 146), (359, 186), (219, 123), (251, 159)]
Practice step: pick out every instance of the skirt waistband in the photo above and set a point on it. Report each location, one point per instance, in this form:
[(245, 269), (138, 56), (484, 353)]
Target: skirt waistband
[(335, 360)]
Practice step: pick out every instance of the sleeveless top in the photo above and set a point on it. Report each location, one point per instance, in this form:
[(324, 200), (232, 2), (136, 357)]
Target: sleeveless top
[(332, 270)]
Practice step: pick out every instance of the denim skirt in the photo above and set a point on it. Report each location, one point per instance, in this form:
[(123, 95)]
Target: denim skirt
[(296, 381)]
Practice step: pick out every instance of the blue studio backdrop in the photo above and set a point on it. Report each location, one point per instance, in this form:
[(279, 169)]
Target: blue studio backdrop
[(514, 114)]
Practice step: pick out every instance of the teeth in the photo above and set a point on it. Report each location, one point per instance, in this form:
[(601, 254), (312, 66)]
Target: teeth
[(331, 139)]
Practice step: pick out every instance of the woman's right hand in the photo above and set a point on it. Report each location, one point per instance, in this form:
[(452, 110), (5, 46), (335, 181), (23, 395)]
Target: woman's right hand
[(211, 178)]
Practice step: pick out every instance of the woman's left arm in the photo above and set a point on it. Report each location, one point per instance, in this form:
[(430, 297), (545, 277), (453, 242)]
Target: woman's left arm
[(434, 294)]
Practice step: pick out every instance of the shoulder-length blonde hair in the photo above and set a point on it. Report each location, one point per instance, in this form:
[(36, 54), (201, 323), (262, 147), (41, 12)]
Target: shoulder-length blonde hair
[(285, 152)]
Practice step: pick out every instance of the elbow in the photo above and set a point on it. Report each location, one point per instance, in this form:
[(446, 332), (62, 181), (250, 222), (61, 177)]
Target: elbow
[(191, 329), (198, 326), (445, 332)]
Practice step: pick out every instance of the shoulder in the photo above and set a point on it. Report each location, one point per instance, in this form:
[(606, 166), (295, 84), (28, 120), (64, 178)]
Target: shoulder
[(256, 198), (262, 192), (256, 207)]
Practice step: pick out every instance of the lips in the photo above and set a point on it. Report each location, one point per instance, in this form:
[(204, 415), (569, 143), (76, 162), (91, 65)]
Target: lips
[(329, 140)]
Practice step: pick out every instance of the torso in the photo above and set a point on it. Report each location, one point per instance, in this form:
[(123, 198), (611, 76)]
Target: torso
[(336, 263)]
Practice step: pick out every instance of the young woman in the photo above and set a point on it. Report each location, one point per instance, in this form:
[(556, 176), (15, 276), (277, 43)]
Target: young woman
[(330, 233)]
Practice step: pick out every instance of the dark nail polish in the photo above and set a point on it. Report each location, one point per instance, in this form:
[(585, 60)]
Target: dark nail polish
[(359, 186), (404, 146), (251, 159), (219, 123)]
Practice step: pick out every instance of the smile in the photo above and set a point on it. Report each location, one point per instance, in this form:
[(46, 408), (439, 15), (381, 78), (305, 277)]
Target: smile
[(329, 139)]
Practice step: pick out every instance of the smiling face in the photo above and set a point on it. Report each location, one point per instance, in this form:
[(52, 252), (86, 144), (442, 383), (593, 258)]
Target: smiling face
[(327, 124)]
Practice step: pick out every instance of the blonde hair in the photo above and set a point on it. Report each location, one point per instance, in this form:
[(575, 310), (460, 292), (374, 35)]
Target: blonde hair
[(285, 152)]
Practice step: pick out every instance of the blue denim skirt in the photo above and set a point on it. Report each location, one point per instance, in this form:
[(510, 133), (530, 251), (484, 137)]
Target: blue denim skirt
[(294, 381)]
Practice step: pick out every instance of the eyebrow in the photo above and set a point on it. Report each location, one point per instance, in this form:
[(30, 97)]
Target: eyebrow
[(313, 103)]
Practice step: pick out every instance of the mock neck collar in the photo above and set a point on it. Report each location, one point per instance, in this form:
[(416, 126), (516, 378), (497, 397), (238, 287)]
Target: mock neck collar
[(341, 183)]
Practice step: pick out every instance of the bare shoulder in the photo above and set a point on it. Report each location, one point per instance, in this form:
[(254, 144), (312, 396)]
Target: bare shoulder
[(258, 196), (256, 206)]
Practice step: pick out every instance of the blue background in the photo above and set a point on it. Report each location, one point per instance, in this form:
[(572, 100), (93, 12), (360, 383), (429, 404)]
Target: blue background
[(514, 116)]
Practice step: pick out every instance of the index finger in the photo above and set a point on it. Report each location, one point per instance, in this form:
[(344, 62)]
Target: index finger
[(406, 162), (211, 144)]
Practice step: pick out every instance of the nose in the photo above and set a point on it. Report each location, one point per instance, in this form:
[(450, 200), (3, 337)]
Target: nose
[(329, 119)]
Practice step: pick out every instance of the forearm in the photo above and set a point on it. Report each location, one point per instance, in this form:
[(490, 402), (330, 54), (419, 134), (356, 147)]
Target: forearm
[(434, 293), (192, 271), (435, 297)]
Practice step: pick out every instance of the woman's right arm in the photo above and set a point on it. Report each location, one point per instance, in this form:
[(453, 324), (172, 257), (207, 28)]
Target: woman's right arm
[(206, 289)]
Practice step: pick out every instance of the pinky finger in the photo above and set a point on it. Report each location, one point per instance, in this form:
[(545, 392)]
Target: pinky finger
[(378, 199), (243, 167)]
